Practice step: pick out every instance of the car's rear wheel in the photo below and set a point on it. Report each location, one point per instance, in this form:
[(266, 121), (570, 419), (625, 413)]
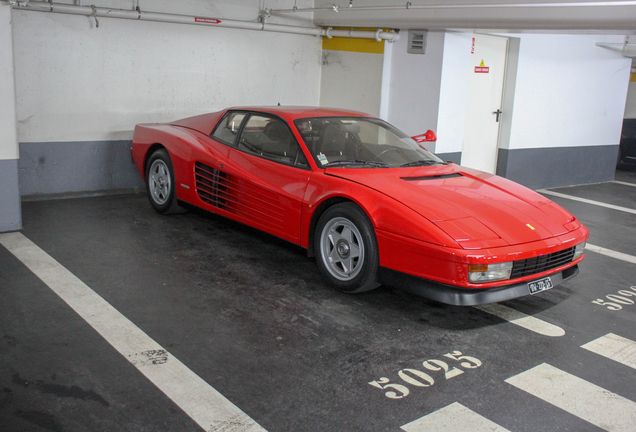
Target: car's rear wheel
[(160, 184), (346, 248)]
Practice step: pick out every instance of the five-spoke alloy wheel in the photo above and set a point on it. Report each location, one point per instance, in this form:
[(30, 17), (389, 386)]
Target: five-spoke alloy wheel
[(160, 183), (346, 248)]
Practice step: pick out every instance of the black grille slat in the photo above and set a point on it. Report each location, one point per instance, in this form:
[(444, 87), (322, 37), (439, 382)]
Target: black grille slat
[(211, 185), (530, 266)]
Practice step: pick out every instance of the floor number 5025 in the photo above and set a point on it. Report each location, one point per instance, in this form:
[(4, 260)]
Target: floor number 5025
[(617, 300), (418, 378)]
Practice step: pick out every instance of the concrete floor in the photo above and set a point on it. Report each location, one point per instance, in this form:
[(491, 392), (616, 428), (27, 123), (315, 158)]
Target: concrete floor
[(251, 316)]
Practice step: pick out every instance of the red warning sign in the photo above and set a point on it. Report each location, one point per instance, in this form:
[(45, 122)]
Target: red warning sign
[(207, 20), (481, 68)]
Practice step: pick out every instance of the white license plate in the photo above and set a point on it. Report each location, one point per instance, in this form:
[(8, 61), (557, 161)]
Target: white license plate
[(540, 285)]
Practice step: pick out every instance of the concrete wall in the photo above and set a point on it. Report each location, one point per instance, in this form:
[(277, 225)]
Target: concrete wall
[(630, 103), (351, 80), (568, 93), (453, 95), (81, 89), (414, 87), (10, 217), (569, 96)]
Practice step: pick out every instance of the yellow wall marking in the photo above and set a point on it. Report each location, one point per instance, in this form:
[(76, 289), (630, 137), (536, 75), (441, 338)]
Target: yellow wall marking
[(361, 45)]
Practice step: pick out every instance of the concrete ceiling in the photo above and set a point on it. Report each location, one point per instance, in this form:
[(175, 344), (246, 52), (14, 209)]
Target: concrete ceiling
[(560, 16)]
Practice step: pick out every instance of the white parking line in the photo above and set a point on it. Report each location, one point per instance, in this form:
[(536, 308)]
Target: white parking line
[(206, 406), (518, 318), (583, 399), (614, 347), (624, 183), (611, 253), (453, 418), (587, 201)]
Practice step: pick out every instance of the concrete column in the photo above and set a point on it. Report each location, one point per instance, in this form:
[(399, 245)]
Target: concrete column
[(10, 211)]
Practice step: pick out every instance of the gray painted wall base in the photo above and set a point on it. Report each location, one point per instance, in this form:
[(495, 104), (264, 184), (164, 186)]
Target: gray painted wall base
[(10, 209), (450, 157), (62, 167), (66, 167), (558, 166)]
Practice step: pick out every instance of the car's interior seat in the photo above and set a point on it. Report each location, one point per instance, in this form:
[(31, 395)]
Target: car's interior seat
[(281, 142)]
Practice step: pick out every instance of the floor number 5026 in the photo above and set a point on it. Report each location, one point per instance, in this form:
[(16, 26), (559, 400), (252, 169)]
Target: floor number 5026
[(418, 378)]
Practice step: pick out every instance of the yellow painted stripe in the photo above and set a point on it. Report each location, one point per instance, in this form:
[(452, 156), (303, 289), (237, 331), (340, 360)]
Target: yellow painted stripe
[(632, 79), (361, 45)]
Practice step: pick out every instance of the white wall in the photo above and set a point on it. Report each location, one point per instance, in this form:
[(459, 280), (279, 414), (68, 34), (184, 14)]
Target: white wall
[(76, 82), (453, 92), (351, 80), (8, 140), (569, 92), (414, 85)]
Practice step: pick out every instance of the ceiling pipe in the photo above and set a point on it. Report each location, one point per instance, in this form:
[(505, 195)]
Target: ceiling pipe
[(409, 5), (138, 14)]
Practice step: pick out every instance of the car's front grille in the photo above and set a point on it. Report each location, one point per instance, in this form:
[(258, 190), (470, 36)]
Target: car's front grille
[(530, 266)]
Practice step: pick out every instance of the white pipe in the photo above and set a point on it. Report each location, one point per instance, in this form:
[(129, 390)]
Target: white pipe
[(189, 19), (408, 5)]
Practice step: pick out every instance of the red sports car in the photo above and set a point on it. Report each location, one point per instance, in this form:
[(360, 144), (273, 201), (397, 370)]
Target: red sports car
[(367, 200)]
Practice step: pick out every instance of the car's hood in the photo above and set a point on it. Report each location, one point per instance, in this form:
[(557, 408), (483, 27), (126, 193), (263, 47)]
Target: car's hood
[(474, 208)]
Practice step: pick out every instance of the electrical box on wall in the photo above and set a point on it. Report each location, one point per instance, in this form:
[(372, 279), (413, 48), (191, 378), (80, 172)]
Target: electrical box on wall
[(417, 42)]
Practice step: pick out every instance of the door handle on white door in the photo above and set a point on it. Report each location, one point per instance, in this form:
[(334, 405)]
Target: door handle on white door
[(498, 112)]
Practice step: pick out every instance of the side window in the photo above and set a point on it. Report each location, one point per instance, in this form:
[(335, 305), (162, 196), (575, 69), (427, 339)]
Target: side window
[(271, 138), (228, 128)]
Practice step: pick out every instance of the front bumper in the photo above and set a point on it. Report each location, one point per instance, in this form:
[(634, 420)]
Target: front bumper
[(466, 296)]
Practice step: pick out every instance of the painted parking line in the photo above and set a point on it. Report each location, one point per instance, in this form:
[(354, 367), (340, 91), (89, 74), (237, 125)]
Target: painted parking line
[(522, 320), (453, 418), (206, 406), (581, 398), (587, 201), (624, 183), (610, 253), (614, 347)]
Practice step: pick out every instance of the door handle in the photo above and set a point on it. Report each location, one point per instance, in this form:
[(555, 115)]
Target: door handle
[(498, 112)]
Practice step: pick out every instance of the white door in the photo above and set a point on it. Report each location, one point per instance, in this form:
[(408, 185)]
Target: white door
[(483, 107)]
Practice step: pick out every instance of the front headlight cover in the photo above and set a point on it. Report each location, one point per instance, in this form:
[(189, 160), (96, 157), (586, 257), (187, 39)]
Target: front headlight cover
[(579, 250), (482, 273)]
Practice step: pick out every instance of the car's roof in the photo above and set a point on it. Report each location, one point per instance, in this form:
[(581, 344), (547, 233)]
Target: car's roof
[(296, 112)]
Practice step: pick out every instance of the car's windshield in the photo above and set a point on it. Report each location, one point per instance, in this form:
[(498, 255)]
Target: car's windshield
[(359, 142)]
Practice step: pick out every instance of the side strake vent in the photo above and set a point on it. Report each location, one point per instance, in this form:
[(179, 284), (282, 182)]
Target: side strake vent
[(433, 177), (211, 185), (239, 197)]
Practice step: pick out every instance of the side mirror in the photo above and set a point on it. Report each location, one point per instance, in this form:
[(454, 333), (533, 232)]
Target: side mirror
[(428, 136)]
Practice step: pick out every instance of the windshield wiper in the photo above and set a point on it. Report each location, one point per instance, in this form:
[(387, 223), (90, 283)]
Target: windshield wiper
[(356, 162), (423, 162)]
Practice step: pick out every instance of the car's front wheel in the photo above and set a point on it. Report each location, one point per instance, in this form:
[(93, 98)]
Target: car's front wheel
[(346, 248), (160, 184)]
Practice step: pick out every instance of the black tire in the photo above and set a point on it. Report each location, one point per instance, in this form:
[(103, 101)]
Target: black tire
[(346, 249), (160, 183)]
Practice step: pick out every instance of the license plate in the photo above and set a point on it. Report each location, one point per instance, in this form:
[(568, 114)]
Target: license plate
[(540, 285)]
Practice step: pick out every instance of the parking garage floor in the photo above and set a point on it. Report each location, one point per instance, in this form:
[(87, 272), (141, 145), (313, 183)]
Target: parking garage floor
[(113, 317)]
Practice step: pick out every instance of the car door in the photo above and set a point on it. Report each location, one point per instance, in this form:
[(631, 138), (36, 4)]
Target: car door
[(270, 175)]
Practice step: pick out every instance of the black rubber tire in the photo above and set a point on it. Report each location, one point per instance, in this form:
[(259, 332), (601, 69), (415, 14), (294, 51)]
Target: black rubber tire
[(160, 184), (349, 216)]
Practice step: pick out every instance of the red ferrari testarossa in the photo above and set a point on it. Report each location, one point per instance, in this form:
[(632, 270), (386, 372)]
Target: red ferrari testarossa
[(367, 200)]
